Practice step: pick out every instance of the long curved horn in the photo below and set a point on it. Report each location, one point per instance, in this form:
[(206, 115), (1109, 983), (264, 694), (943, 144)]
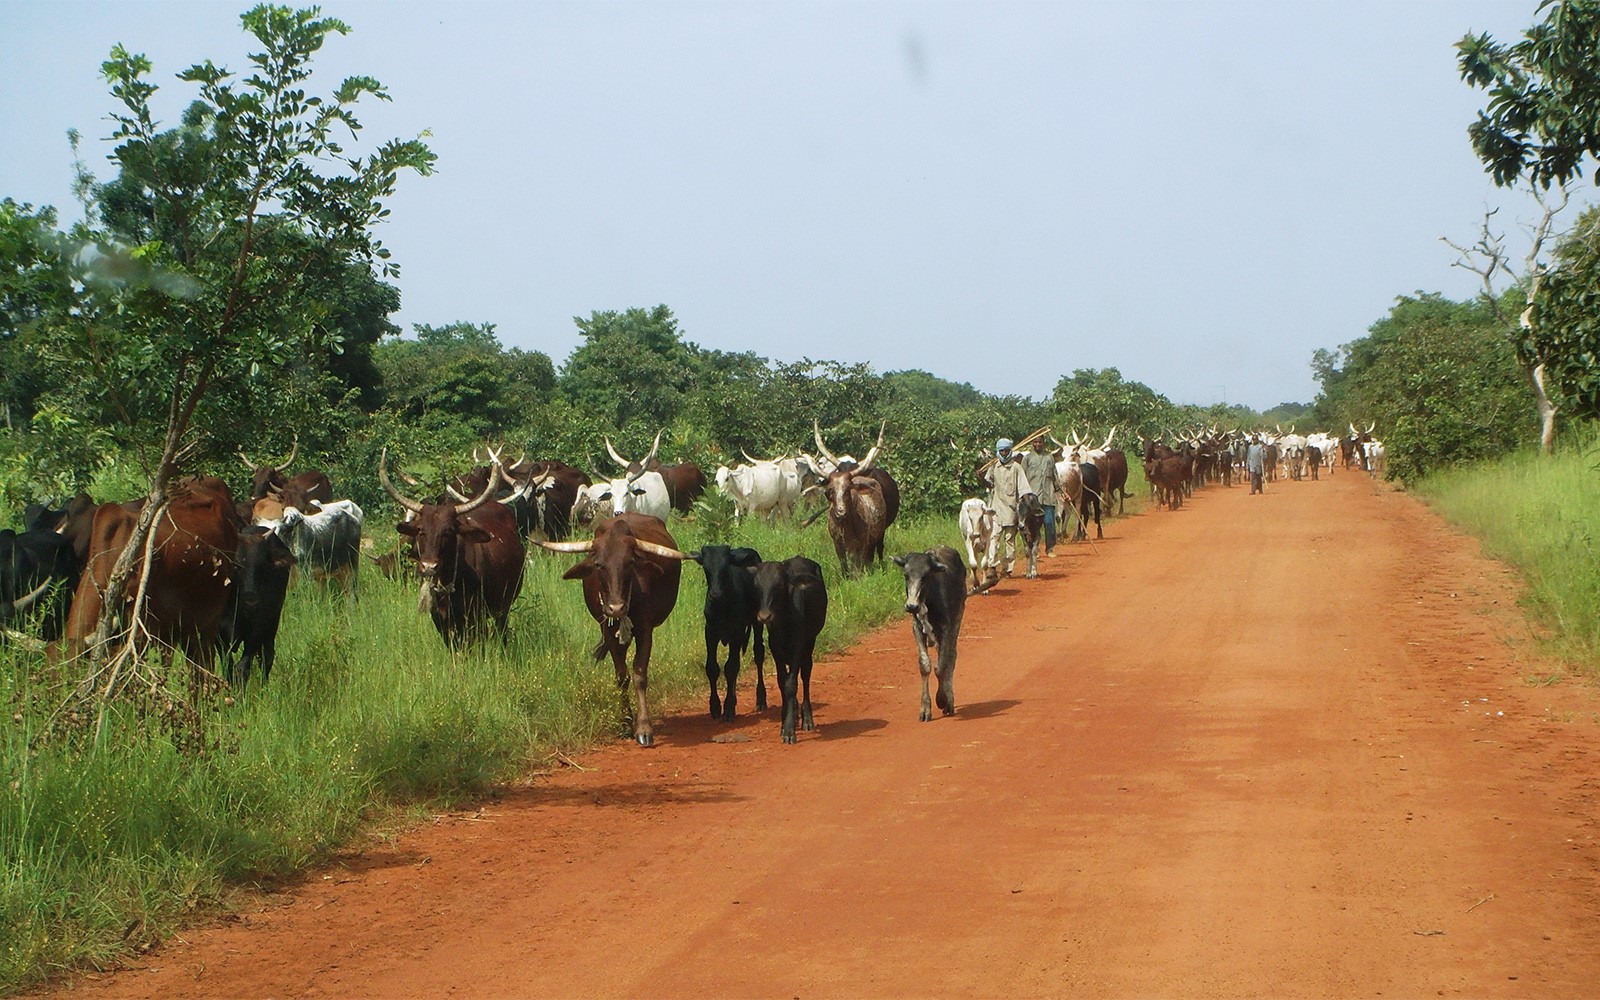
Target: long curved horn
[(1372, 426), (252, 466), (614, 456), (456, 493), (664, 551), (22, 603), (488, 490), (383, 477), (294, 449), (816, 430), (1112, 435), (873, 454), (656, 446), (747, 458), (408, 477), (585, 546)]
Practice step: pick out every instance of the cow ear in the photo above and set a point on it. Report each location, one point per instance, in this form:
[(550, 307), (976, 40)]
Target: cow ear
[(408, 528), (649, 567), (283, 559), (898, 560), (474, 533), (579, 570), (746, 557)]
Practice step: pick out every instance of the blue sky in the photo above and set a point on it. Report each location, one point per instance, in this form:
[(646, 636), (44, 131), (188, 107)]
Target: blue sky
[(1198, 194)]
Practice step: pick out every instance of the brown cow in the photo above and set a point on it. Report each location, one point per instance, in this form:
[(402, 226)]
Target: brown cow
[(195, 541), (857, 516), (469, 556), (886, 483), (293, 491), (630, 583)]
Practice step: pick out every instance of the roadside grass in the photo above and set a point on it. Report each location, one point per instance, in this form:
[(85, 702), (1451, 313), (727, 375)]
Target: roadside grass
[(1541, 516), (110, 845)]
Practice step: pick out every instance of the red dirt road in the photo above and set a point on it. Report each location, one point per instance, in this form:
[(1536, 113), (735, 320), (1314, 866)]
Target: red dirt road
[(1185, 764)]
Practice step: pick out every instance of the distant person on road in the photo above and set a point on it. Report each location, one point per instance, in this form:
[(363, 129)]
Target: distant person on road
[(1039, 466), (1255, 463), (1010, 486)]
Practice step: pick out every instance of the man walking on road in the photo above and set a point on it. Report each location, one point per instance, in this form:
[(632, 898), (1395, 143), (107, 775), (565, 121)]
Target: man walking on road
[(1010, 486), (1255, 462), (1039, 466)]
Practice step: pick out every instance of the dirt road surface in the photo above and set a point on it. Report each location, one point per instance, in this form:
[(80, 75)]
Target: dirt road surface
[(1263, 746)]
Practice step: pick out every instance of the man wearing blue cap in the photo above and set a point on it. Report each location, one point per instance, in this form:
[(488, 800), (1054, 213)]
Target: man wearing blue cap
[(1010, 486)]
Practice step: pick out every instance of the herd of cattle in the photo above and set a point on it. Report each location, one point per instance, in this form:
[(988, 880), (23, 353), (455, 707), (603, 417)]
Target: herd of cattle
[(216, 572)]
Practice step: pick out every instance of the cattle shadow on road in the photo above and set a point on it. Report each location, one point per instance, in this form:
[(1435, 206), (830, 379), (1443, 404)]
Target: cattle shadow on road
[(985, 709), (846, 729), (632, 794)]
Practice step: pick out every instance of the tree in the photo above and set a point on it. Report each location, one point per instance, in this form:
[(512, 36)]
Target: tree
[(247, 212), (458, 377), (1541, 123), (1102, 399), (1566, 318), (631, 366), (1543, 116)]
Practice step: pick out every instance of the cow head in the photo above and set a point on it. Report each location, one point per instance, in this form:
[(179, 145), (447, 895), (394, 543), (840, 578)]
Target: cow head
[(634, 469), (437, 530), (269, 477), (918, 567), (262, 560), (616, 560), (720, 562)]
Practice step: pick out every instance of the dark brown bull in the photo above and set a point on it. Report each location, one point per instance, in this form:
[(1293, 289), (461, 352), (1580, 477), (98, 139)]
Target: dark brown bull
[(195, 539), (294, 491), (857, 511), (630, 584), (543, 510), (72, 521), (1114, 478), (469, 557)]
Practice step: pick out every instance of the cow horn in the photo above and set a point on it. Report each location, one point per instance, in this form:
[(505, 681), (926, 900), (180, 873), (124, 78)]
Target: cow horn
[(664, 551), (873, 454), (477, 459), (1108, 438), (493, 484), (614, 456), (22, 603), (654, 447), (252, 466), (408, 477), (383, 478), (1372, 426), (816, 430), (294, 449), (455, 493), (585, 546), (747, 458)]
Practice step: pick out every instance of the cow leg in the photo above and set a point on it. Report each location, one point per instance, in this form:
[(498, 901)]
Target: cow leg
[(786, 675), (713, 669), (761, 680), (730, 674), (641, 681), (947, 667), (926, 667), (807, 721)]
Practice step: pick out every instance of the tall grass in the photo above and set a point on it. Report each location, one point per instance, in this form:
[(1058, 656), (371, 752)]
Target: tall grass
[(109, 844), (1540, 514)]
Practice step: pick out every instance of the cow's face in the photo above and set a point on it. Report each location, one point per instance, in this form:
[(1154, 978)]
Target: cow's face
[(720, 562), (917, 567), (772, 591), (437, 533), (262, 560)]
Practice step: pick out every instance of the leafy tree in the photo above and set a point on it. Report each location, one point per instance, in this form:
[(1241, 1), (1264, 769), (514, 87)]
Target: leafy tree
[(247, 212), (1543, 116), (936, 394), (458, 378), (1438, 378), (1565, 324), (632, 366), (1101, 398), (1541, 123), (35, 283)]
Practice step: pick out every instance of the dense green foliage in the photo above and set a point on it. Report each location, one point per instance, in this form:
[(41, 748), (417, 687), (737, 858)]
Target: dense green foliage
[(1543, 116), (1566, 319), (1438, 378)]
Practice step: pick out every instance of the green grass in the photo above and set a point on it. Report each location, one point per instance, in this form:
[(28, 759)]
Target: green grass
[(1540, 515), (112, 844)]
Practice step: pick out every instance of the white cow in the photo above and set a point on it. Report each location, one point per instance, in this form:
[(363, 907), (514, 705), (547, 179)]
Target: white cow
[(1376, 457), (761, 487), (645, 493), (977, 531), (326, 542)]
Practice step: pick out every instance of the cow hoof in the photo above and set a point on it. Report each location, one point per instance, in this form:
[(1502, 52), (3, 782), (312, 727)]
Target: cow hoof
[(1032, 575), (788, 737), (925, 716), (646, 740)]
